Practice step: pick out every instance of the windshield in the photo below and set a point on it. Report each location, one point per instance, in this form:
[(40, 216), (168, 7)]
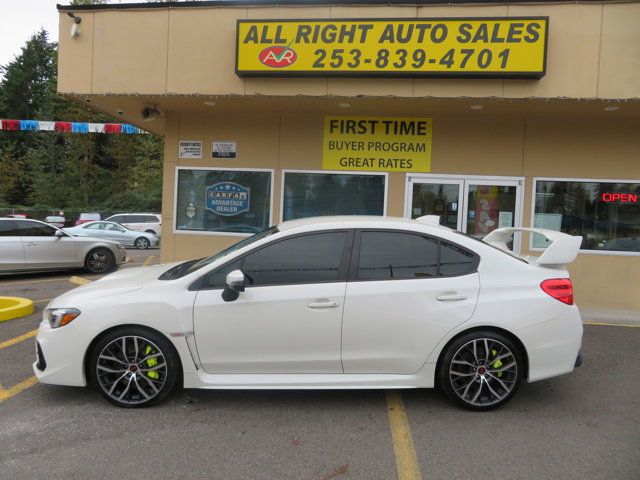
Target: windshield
[(192, 265)]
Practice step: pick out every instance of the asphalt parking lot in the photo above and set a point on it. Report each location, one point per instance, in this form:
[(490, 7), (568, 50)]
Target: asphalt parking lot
[(585, 425)]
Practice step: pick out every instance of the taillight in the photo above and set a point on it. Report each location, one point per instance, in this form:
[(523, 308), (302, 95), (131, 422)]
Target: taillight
[(559, 288)]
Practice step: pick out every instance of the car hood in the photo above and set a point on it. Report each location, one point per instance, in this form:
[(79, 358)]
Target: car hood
[(123, 281)]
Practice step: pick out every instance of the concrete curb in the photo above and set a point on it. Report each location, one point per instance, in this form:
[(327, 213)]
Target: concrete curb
[(15, 307)]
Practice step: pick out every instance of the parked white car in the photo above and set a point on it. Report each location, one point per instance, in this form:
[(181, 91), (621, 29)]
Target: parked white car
[(140, 222), (29, 245), (324, 303), (116, 232)]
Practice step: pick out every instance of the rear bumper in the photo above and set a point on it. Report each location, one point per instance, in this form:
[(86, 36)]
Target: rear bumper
[(553, 347)]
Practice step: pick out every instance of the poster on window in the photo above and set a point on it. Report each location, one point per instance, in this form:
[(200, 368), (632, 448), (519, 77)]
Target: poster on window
[(227, 198)]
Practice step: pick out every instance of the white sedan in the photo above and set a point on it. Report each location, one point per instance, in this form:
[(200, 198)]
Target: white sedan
[(324, 303), (115, 232)]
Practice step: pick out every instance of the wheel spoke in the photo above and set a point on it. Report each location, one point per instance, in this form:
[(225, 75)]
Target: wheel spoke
[(155, 367), (502, 368), (502, 384), (149, 357), (140, 389), (116, 383), (112, 359), (126, 389), (460, 374), (110, 370)]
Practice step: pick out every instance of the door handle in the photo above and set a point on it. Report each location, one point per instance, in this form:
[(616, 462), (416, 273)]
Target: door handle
[(450, 297), (321, 305), (31, 244)]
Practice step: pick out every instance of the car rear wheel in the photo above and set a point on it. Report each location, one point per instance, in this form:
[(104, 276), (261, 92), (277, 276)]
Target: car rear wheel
[(134, 367), (99, 260), (481, 370), (142, 243)]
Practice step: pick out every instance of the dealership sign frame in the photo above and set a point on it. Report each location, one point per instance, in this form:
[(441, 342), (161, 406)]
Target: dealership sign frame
[(451, 47)]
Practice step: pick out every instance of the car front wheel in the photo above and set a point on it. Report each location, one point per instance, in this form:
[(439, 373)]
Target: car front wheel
[(99, 260), (134, 367), (142, 243), (481, 370)]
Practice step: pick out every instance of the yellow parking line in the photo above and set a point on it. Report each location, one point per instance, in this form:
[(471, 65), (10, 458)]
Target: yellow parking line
[(604, 324), (61, 279), (16, 389), (18, 339), (406, 459), (149, 259), (78, 280)]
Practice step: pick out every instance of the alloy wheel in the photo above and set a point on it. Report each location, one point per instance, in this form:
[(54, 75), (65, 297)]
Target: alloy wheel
[(483, 372), (131, 370), (99, 262), (142, 243)]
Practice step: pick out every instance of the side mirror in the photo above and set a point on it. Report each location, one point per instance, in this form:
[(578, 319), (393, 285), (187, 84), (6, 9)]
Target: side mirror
[(235, 284), (59, 234)]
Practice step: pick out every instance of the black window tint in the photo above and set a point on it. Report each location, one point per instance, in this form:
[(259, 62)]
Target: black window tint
[(117, 218), (150, 219), (396, 255), (218, 278), (7, 229), (34, 229), (305, 259), (455, 260), (135, 219)]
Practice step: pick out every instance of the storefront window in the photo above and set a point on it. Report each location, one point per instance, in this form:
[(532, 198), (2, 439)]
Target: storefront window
[(606, 214), (223, 201), (318, 194)]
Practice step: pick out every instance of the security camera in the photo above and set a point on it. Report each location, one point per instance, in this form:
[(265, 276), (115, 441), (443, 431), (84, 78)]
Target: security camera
[(119, 111)]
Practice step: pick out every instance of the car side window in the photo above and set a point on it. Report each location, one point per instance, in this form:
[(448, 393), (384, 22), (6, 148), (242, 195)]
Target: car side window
[(311, 258), (8, 229), (150, 219), (27, 228), (455, 260), (396, 255), (135, 218), (404, 255)]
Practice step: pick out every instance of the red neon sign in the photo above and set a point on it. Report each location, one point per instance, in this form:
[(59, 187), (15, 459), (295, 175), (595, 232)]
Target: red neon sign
[(619, 197)]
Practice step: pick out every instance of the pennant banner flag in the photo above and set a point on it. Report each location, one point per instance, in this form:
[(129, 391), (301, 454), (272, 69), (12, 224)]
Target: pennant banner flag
[(70, 127)]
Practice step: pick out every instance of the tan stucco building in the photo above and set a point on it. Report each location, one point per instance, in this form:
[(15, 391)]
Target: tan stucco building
[(560, 151)]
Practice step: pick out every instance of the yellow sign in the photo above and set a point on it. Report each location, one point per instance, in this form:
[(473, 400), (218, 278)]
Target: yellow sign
[(377, 144), (436, 47)]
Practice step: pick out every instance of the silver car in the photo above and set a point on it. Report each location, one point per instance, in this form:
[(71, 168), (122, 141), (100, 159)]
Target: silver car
[(33, 245), (116, 232)]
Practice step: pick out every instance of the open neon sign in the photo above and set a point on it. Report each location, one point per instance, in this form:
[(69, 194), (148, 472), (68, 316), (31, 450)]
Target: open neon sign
[(619, 197)]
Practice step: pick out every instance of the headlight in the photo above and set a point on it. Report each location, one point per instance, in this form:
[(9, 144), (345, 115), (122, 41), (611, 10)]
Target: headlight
[(59, 317)]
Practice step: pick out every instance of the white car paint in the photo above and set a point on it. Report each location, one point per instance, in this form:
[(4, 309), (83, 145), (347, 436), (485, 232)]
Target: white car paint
[(384, 334)]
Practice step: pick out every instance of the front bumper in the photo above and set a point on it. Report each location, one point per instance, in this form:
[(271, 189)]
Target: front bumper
[(59, 356), (578, 360)]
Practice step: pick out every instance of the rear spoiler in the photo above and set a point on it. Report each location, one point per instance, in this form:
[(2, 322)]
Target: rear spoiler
[(563, 249)]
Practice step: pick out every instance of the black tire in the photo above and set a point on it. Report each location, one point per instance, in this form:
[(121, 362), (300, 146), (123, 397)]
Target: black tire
[(481, 370), (142, 243), (152, 371), (99, 260)]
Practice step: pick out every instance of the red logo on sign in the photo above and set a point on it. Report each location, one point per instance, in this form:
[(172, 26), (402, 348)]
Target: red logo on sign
[(278, 56)]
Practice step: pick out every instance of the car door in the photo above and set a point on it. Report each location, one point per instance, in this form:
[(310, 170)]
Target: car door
[(406, 290), (288, 319), (11, 247), (43, 249)]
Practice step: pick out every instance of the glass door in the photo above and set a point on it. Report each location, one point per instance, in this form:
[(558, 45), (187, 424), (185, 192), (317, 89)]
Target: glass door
[(491, 204), (436, 197), (474, 205)]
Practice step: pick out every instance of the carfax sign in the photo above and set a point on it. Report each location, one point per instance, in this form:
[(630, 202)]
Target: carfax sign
[(377, 144), (227, 198), (431, 47)]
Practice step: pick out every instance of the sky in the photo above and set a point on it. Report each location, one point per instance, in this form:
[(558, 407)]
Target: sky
[(19, 19)]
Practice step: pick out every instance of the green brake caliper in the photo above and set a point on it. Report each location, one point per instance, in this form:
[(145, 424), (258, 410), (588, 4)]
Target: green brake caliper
[(152, 362), (497, 363)]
